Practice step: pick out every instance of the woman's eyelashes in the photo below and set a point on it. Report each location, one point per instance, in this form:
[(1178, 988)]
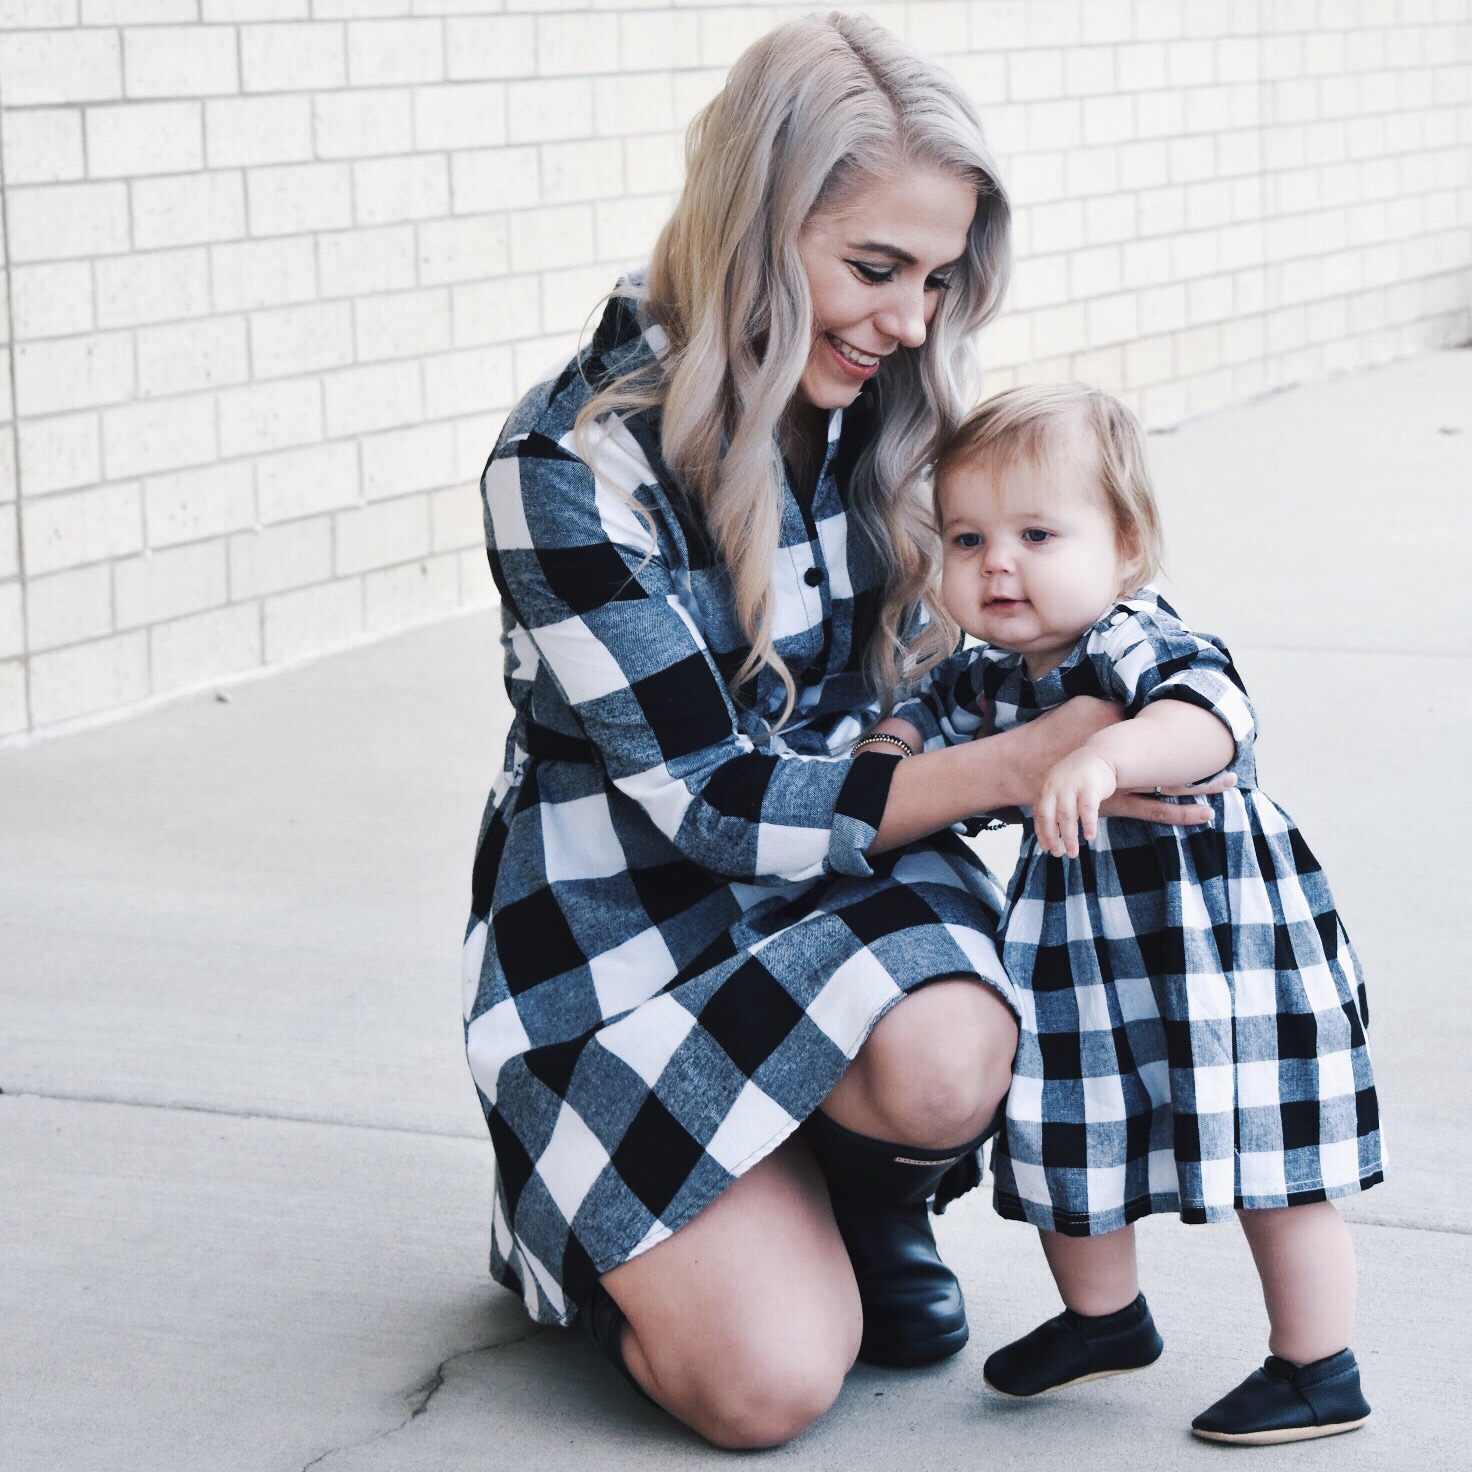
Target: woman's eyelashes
[(874, 275)]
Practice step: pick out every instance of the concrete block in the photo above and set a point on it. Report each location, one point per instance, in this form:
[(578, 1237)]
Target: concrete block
[(461, 382), (301, 339), (1111, 218), (1161, 211), (137, 138), (192, 505), (1113, 319), (265, 273), (82, 679), (44, 146), (625, 229), (386, 191), (495, 179), (582, 171), (455, 519), (155, 286), (420, 458), (241, 132), (51, 300), (459, 116), (658, 40), (655, 164), (137, 12), (310, 620), (1091, 171), (12, 618), (405, 325), (726, 31), (38, 68), (62, 374), (382, 535), (23, 15), (477, 588), (66, 608), (191, 651), (59, 454), (551, 236), (1144, 262), (91, 526), (362, 123), (361, 262), (188, 356), (495, 311), (1148, 360), (573, 45), (1209, 300), (188, 210), (270, 416), (462, 249), (485, 47), (14, 708), (293, 57), (168, 584), (544, 111), (305, 482), (399, 595), (1054, 125), (628, 106), (387, 53), (59, 222), (1163, 307), (180, 61), (572, 299), (295, 199), (940, 27), (380, 396), (142, 439), (271, 559)]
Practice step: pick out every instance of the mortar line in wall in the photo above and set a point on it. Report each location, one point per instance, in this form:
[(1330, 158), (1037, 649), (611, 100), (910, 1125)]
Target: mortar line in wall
[(20, 549)]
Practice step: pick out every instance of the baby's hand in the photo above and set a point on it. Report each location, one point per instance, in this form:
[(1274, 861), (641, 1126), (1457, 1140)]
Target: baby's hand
[(1072, 792)]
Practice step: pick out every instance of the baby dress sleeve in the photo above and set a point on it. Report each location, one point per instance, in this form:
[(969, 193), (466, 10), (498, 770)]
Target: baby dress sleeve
[(946, 707), (1142, 653), (586, 582)]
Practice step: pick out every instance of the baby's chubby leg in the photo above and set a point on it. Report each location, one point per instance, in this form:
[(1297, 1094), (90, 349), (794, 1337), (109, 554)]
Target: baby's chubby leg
[(1305, 1259), (1104, 1329)]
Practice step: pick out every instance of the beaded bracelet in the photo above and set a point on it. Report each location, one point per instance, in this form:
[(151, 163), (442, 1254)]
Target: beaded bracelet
[(875, 738)]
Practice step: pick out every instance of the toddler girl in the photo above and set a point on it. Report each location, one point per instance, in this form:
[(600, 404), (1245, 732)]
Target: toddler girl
[(1192, 1029)]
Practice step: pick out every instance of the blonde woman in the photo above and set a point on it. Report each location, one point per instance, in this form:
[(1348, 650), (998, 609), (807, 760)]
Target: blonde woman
[(733, 1003)]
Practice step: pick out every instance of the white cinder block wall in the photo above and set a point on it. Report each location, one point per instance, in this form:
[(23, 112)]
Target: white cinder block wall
[(276, 268)]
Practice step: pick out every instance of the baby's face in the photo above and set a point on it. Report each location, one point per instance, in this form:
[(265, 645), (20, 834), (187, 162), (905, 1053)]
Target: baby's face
[(1031, 558)]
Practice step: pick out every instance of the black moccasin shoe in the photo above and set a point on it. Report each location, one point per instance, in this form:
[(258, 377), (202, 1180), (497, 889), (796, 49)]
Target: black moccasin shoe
[(1288, 1402), (1073, 1348)]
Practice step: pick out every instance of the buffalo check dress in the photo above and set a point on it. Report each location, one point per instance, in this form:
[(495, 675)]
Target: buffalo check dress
[(1192, 1014), (676, 942)]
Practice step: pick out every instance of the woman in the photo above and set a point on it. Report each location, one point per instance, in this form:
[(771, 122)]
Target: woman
[(702, 916)]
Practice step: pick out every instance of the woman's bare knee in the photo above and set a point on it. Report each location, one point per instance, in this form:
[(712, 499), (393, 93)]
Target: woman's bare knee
[(934, 1070)]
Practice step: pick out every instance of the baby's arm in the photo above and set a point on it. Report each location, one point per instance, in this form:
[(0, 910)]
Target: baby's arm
[(1169, 743)]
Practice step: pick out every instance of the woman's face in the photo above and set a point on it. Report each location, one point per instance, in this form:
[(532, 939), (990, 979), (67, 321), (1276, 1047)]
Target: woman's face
[(877, 264)]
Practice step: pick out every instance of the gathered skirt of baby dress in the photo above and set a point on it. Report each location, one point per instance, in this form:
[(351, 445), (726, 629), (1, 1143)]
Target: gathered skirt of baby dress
[(1192, 1027), (617, 1117)]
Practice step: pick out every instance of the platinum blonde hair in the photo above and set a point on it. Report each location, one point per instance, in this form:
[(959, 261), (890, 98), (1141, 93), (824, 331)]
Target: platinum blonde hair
[(1050, 425), (812, 112)]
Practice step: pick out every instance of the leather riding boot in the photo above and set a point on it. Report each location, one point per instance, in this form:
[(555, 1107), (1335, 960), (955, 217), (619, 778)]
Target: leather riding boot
[(914, 1313)]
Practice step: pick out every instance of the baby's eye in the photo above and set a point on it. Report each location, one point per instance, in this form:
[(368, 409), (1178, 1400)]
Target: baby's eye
[(874, 275), (1036, 534), (967, 539)]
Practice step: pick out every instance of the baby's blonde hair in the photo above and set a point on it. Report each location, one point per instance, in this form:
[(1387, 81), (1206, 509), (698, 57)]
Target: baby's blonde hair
[(1044, 424)]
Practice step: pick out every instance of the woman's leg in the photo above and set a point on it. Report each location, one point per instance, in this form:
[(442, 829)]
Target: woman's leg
[(744, 1323), (1305, 1259), (933, 1071)]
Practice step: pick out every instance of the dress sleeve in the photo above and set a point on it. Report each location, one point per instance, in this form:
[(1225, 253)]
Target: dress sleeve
[(586, 580), (947, 706), (1148, 655)]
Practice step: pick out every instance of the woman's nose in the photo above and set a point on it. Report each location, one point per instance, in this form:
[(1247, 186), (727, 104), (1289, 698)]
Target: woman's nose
[(907, 317)]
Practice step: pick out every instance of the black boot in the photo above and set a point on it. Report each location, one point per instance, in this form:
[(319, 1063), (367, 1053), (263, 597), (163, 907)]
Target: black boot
[(913, 1310), (604, 1321)]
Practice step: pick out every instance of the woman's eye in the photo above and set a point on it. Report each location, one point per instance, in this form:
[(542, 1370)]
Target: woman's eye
[(937, 283), (874, 275), (1035, 534)]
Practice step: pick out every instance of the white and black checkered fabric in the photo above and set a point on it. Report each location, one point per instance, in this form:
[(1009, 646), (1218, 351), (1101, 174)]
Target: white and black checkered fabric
[(676, 942), (1192, 1034)]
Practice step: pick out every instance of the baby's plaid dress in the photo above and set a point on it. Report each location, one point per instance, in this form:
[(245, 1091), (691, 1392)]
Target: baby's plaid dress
[(1192, 1035), (676, 942)]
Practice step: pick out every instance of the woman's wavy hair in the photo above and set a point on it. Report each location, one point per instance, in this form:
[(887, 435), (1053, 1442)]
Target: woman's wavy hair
[(813, 111), (1055, 425)]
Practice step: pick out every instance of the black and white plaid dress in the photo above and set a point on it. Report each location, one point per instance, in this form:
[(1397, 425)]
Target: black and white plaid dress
[(1192, 1034), (676, 942)]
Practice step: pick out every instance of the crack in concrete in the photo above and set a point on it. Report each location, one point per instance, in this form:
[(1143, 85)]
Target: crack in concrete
[(419, 1398)]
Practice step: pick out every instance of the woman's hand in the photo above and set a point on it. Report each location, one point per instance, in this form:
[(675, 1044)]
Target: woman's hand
[(1148, 807), (1070, 800)]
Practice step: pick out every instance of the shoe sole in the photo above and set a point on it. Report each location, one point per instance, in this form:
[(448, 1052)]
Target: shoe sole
[(1068, 1384), (1272, 1438)]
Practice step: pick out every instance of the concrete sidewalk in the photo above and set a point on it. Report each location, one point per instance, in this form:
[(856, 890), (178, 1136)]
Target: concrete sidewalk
[(244, 1184)]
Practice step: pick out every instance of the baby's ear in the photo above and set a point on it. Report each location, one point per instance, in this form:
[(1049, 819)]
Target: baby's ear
[(1132, 556)]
